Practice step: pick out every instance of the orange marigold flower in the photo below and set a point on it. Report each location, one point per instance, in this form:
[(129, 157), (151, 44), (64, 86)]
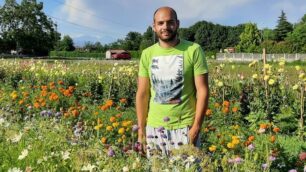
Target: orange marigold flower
[(109, 103), (109, 128), (96, 113), (112, 119), (99, 121), (251, 138), (52, 85), (208, 112), (36, 105), (43, 104), (272, 139), (226, 103), (21, 102), (234, 109), (123, 100), (44, 93), (263, 126), (103, 140), (25, 94), (66, 114), (217, 105), (71, 88), (53, 97), (104, 107), (119, 115), (75, 112), (276, 129), (67, 93), (225, 110), (44, 87)]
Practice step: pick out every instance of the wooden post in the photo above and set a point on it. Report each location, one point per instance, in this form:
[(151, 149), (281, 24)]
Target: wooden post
[(264, 58)]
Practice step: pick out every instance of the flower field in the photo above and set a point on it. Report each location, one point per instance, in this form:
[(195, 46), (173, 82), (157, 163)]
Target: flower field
[(80, 116)]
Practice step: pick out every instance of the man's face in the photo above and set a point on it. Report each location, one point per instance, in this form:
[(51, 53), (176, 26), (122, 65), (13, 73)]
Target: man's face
[(165, 25)]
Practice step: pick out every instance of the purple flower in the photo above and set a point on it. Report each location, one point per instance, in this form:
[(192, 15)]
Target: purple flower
[(238, 160), (161, 129), (292, 170), (272, 158), (111, 152), (231, 161), (58, 114), (49, 113), (135, 128), (43, 113), (166, 119), (251, 147), (264, 166)]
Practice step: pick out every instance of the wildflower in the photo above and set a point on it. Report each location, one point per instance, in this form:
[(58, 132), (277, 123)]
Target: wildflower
[(266, 77), (111, 152), (112, 119), (212, 148), (251, 147), (103, 140), (272, 158), (297, 68), (15, 169), (123, 100), (234, 109), (109, 128), (255, 76), (230, 145), (24, 153), (261, 130), (220, 84), (65, 155), (208, 112), (121, 131), (88, 167), (264, 166), (216, 105), (125, 169), (271, 81), (272, 139), (251, 138), (302, 156), (166, 119), (238, 160), (226, 103), (97, 127), (281, 63), (295, 87), (301, 75), (292, 170), (16, 138), (276, 129), (280, 70), (225, 110)]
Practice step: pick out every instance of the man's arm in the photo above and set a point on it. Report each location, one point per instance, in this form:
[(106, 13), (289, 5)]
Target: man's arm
[(142, 103), (202, 88)]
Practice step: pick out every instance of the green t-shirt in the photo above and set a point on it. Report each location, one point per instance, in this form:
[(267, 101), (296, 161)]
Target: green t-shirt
[(173, 93)]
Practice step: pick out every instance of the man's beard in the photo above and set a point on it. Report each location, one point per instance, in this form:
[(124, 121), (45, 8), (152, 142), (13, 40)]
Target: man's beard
[(172, 37)]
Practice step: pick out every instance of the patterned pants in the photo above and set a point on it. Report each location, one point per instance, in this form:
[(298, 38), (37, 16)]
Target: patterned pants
[(163, 140)]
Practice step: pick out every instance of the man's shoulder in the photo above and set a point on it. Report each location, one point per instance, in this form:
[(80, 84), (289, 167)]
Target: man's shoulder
[(190, 45)]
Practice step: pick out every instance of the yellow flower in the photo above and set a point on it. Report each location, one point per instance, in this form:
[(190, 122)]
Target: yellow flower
[(121, 131), (230, 145), (281, 63), (119, 140), (233, 66), (236, 127), (109, 128), (266, 77), (267, 66), (280, 70), (212, 148), (235, 137), (235, 141), (271, 81), (301, 75), (297, 68), (220, 84), (115, 124), (97, 127), (14, 95), (255, 76), (295, 87), (103, 140)]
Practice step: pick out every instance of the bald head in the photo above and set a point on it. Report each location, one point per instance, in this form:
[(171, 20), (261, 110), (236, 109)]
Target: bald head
[(165, 10)]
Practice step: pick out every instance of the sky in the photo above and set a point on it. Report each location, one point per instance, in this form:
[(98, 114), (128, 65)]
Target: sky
[(109, 20)]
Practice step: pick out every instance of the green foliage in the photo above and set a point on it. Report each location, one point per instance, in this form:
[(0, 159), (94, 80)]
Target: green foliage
[(283, 28), (297, 38), (249, 39), (26, 28), (66, 44), (69, 54)]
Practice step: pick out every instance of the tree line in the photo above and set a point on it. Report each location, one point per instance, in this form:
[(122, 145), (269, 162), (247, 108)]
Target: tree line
[(25, 27)]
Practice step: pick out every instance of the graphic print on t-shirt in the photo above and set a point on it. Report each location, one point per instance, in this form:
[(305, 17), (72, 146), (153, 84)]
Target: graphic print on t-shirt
[(167, 78)]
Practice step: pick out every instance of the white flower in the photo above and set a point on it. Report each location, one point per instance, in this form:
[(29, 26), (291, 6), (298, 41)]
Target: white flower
[(1, 121), (125, 169), (15, 169), (191, 159), (220, 84), (65, 155), (261, 130), (89, 167), (271, 81), (115, 64), (24, 153), (16, 138)]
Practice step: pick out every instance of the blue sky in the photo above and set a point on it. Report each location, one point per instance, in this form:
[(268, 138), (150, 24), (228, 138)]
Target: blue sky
[(109, 20)]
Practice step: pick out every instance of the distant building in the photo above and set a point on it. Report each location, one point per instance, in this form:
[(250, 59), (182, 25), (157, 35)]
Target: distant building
[(117, 54)]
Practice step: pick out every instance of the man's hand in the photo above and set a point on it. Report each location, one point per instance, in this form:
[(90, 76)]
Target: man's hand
[(194, 134), (141, 142)]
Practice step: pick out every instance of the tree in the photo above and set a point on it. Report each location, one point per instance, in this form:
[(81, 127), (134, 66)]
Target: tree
[(25, 27), (268, 34), (186, 33), (147, 39), (132, 41), (249, 38), (283, 28), (66, 44), (298, 38)]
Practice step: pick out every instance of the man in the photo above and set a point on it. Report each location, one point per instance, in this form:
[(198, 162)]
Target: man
[(172, 94)]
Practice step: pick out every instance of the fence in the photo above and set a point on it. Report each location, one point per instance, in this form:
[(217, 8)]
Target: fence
[(246, 57)]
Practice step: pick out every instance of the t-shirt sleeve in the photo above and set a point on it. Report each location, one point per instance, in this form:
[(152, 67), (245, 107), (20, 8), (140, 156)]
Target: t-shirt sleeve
[(200, 63), (143, 65)]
